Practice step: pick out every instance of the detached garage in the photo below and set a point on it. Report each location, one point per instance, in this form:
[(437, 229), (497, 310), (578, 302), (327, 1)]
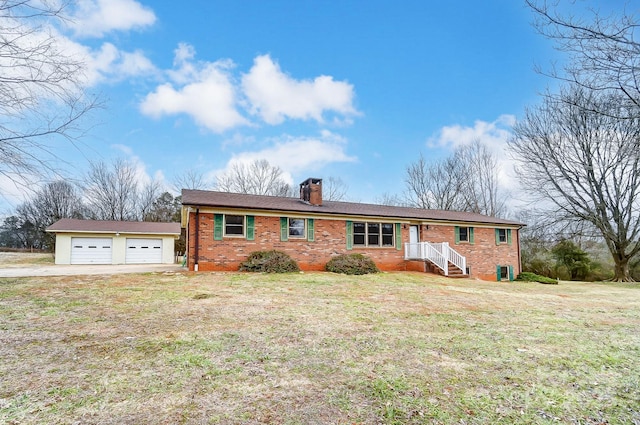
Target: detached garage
[(114, 242)]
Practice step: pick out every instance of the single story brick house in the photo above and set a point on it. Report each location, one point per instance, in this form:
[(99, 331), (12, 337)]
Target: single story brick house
[(114, 242), (224, 228)]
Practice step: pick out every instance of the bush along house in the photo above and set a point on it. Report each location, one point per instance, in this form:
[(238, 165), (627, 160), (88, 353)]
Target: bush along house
[(224, 228)]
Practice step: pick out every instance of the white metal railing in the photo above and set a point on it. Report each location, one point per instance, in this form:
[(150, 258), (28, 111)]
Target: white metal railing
[(440, 254)]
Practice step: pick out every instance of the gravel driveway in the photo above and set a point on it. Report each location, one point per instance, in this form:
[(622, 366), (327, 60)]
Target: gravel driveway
[(70, 270), (25, 264)]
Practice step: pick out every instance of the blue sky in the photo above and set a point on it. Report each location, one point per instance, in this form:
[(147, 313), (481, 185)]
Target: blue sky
[(349, 89)]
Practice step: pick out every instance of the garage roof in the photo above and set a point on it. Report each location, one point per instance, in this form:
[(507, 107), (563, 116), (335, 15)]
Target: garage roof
[(100, 226)]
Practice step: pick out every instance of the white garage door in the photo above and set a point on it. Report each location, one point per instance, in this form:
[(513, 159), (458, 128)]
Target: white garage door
[(91, 250), (144, 251)]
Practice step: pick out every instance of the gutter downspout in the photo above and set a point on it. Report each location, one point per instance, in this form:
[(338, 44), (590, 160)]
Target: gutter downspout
[(197, 241), (187, 238), (519, 254)]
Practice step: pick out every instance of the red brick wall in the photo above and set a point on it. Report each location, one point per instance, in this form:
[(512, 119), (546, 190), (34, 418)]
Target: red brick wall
[(330, 240), (483, 255)]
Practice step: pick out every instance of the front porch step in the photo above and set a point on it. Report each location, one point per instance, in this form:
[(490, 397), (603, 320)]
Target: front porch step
[(454, 272), (434, 256)]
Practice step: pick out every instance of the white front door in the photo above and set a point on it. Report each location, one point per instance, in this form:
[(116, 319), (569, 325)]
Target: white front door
[(91, 250), (414, 238), (141, 251)]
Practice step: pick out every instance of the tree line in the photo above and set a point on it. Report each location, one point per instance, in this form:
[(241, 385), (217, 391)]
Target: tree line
[(108, 192), (113, 191)]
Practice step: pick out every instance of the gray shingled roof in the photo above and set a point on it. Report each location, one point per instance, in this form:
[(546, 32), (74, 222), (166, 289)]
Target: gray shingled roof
[(206, 198), (100, 226)]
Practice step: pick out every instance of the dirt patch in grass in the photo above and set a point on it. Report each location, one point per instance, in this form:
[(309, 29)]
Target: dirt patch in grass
[(390, 348)]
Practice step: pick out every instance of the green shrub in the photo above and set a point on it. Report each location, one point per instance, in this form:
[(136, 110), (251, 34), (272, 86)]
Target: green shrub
[(351, 264), (532, 277), (269, 262), (574, 260)]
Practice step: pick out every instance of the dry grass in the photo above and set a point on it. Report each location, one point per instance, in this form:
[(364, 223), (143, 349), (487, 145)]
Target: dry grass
[(22, 259), (316, 348)]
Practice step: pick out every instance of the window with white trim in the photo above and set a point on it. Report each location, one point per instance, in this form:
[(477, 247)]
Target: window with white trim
[(504, 272), (297, 228), (464, 234), (233, 225), (387, 234), (373, 234)]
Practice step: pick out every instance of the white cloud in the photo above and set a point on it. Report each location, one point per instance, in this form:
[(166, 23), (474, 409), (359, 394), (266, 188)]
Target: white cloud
[(296, 155), (105, 64), (185, 70), (494, 135), (204, 91), (209, 92), (95, 18), (183, 53), (275, 96), (111, 64)]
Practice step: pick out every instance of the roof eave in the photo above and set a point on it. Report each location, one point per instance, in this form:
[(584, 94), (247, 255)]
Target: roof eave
[(318, 210), (125, 232)]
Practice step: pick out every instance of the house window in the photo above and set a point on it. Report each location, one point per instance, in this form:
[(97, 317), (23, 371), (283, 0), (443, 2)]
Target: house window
[(359, 234), (387, 234), (373, 234), (233, 225), (464, 234), (296, 227), (503, 236), (504, 272)]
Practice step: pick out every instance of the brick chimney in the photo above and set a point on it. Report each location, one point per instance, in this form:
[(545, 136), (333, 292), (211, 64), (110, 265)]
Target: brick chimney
[(311, 191)]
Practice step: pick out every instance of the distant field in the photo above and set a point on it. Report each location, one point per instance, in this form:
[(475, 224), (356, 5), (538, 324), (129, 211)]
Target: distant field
[(317, 348)]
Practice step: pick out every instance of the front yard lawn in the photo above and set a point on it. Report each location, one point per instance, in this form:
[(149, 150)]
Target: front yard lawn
[(317, 348)]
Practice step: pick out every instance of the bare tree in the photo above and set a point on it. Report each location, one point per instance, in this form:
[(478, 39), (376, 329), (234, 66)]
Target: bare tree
[(58, 199), (334, 189), (147, 197), (114, 192), (257, 178), (604, 51), (391, 200), (465, 181), (50, 203), (480, 186), (436, 185), (585, 165), (111, 192), (190, 179), (41, 96)]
